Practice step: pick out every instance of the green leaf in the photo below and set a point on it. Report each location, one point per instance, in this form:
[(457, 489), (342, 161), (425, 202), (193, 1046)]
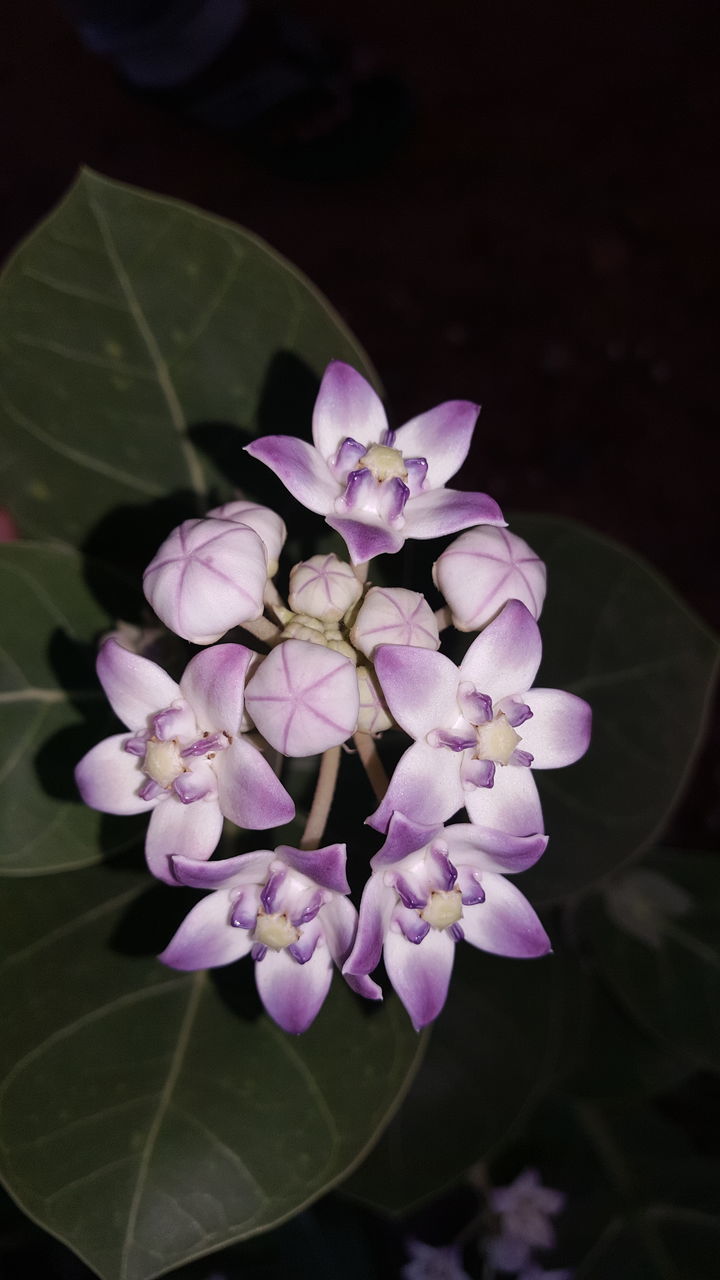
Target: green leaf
[(137, 336), (668, 1226), (52, 710), (148, 1117), (614, 633), (490, 1055), (666, 973)]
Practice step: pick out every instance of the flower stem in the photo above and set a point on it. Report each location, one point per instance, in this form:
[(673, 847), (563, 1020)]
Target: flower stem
[(443, 617), (262, 629), (322, 800), (361, 571), (372, 763)]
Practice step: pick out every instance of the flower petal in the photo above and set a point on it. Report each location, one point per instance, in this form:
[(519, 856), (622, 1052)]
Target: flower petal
[(246, 868), (293, 993), (504, 924), (108, 778), (420, 688), (488, 850), (376, 907), (420, 972), (506, 655), (512, 804), (191, 830), (325, 866), (304, 698), (442, 436), (214, 684), (206, 938), (301, 468), (249, 792), (405, 836), (441, 511), (135, 687), (426, 783), (364, 541), (346, 406), (559, 731)]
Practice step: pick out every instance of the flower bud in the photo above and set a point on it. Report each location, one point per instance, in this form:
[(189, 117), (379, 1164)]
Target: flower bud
[(208, 576), (269, 527), (483, 569), (324, 587), (304, 698), (393, 615), (373, 716)]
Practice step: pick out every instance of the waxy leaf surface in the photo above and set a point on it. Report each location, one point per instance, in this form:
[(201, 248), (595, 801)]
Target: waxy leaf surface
[(148, 1117)]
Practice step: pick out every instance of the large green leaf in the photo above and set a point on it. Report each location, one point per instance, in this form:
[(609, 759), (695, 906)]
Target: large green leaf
[(137, 335), (491, 1053), (52, 710), (147, 1117), (614, 633), (664, 965)]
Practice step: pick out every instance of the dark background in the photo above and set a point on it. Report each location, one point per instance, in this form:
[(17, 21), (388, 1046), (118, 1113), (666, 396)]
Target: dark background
[(545, 240)]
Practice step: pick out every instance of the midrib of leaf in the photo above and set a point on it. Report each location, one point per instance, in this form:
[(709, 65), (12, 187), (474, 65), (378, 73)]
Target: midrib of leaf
[(183, 1040), (165, 382)]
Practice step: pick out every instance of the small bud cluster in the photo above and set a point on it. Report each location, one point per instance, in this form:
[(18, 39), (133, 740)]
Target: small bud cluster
[(340, 661)]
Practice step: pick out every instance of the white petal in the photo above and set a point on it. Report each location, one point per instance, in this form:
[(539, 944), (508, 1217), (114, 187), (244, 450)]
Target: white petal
[(109, 778), (346, 406), (191, 830), (512, 804), (420, 972), (559, 731), (135, 687), (506, 655), (293, 993)]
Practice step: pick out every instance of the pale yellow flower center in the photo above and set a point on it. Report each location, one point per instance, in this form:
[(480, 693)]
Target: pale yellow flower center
[(384, 463), (275, 931), (443, 909), (163, 762), (496, 740)]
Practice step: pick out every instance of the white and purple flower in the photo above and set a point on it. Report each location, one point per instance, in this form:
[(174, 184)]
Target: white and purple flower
[(288, 910), (524, 1209), (433, 887), (479, 728), (186, 759), (375, 486)]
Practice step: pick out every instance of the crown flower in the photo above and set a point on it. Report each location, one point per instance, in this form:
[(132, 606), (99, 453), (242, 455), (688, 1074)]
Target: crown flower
[(186, 761), (375, 486)]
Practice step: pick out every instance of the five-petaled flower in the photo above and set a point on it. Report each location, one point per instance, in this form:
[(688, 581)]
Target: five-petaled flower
[(432, 887), (286, 908), (524, 1209), (478, 728), (375, 486), (186, 758)]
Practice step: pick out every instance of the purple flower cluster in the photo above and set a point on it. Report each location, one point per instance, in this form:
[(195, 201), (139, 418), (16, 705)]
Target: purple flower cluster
[(344, 659)]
